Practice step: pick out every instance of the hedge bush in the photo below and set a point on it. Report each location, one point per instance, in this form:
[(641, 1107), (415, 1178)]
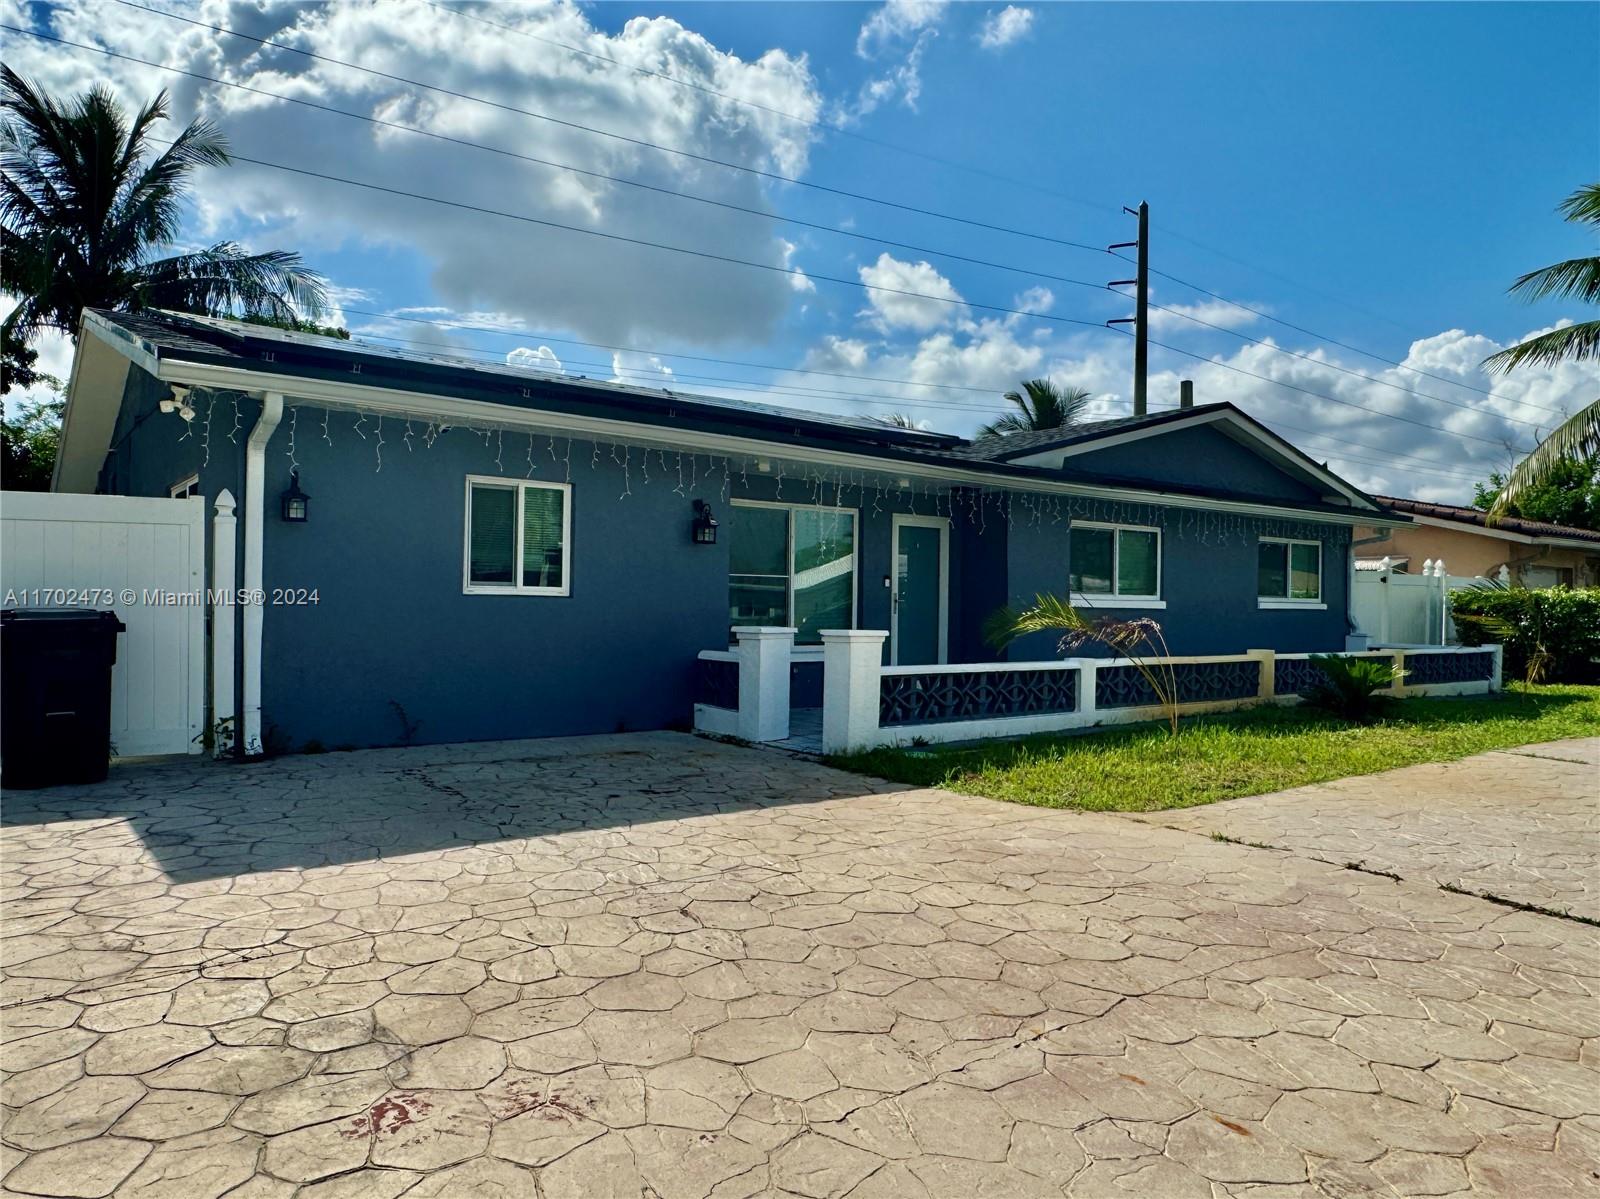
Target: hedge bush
[(1555, 633)]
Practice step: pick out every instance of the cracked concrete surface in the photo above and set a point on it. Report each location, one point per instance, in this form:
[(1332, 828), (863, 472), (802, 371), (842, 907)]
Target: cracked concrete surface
[(649, 965), (1521, 824)]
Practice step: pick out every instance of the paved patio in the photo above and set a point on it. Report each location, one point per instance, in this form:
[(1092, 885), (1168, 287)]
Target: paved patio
[(655, 966), (1522, 824)]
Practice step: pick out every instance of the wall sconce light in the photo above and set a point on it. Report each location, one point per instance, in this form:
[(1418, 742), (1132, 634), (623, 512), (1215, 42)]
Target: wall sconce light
[(704, 527), (296, 503)]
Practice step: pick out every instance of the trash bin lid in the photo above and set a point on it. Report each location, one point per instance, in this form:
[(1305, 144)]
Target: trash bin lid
[(87, 615)]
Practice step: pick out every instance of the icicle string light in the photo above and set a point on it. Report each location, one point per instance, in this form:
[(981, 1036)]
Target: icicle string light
[(870, 493)]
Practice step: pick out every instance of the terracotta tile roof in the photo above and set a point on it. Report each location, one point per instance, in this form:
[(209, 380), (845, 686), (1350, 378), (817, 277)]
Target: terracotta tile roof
[(1475, 516)]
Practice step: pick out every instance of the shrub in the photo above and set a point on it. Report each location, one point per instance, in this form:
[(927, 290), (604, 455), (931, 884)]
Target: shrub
[(1549, 636), (1350, 687)]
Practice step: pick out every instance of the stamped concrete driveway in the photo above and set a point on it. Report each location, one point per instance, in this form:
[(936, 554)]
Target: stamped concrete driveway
[(1521, 824), (650, 966)]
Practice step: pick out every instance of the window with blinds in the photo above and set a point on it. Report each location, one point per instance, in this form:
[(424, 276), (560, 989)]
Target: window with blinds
[(518, 537)]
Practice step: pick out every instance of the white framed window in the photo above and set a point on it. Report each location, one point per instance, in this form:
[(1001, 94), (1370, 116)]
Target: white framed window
[(1114, 566), (792, 565), (518, 537), (1289, 573), (184, 488)]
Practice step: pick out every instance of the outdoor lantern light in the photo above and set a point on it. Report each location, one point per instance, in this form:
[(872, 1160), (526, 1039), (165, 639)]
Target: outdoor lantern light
[(705, 525), (296, 503)]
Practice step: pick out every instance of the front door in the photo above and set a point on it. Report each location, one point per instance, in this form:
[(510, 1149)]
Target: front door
[(918, 622)]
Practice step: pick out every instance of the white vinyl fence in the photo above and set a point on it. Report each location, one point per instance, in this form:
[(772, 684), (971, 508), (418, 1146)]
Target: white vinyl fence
[(1394, 608), (127, 555)]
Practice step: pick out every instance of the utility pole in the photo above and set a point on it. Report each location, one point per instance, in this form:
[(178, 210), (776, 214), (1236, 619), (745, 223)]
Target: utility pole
[(1141, 305)]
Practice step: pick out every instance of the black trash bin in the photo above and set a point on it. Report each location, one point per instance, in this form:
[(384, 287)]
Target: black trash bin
[(55, 683)]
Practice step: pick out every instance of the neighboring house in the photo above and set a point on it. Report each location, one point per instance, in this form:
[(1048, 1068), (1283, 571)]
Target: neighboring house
[(1533, 552), (505, 553)]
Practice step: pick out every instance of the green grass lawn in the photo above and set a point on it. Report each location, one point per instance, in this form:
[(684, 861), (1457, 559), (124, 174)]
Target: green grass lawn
[(1139, 768)]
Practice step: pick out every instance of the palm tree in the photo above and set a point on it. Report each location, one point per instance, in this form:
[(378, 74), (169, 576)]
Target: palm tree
[(898, 420), (1040, 405), (83, 207), (1579, 436)]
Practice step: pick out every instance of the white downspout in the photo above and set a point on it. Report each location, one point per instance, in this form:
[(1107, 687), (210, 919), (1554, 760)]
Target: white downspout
[(255, 469)]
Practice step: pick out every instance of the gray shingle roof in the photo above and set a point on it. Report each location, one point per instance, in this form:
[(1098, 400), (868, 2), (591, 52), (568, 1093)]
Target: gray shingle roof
[(1012, 445)]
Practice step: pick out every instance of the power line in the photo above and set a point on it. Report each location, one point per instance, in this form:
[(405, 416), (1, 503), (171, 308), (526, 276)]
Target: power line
[(787, 389), (533, 335), (1345, 370), (749, 385), (634, 141), (1239, 370), (1333, 341), (792, 272), (880, 240), (776, 177), (781, 218), (831, 126)]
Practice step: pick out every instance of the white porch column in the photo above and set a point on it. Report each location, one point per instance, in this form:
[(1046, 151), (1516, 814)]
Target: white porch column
[(1269, 671), (224, 615), (1499, 665), (852, 664), (764, 655)]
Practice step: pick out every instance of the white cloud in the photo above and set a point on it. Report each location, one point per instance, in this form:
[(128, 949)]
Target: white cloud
[(605, 291), (1001, 29), (542, 359), (934, 300), (1034, 300), (886, 32), (1213, 312), (1433, 454), (896, 21), (800, 281), (642, 370)]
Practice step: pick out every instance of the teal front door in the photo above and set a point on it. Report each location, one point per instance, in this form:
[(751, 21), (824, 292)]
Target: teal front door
[(921, 572)]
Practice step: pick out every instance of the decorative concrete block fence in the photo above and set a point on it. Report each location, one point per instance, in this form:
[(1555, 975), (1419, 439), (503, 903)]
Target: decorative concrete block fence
[(745, 692)]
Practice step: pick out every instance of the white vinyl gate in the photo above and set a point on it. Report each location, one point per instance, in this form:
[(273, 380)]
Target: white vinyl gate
[(141, 558), (1407, 609)]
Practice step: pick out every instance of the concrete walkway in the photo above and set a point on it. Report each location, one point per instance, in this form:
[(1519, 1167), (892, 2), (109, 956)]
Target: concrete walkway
[(1522, 824), (656, 966)]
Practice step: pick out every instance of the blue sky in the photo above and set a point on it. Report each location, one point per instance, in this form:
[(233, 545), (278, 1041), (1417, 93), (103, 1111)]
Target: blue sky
[(1376, 174)]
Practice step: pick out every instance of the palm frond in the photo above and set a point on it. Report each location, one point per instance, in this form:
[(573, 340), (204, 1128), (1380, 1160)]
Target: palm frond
[(1578, 437), (1583, 205), (1576, 277), (1011, 422), (1049, 614), (1580, 341), (225, 279)]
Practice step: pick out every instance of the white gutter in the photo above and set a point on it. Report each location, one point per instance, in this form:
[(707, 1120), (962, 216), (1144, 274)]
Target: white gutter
[(355, 397), (255, 469)]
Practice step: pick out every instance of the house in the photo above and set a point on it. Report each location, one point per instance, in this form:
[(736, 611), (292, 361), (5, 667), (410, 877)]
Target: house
[(1533, 553), (461, 550)]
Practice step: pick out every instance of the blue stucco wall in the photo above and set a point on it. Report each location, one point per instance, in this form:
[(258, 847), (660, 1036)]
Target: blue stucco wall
[(1200, 457), (384, 550), (1208, 579)]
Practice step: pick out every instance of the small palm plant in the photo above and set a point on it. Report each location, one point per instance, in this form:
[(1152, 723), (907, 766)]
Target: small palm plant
[(1040, 405), (1140, 641), (1352, 688)]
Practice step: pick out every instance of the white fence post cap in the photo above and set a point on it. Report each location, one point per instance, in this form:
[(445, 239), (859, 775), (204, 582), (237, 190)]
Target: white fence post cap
[(855, 634), (756, 632)]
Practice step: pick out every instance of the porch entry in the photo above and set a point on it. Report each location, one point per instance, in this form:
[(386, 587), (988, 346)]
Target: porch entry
[(919, 618)]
